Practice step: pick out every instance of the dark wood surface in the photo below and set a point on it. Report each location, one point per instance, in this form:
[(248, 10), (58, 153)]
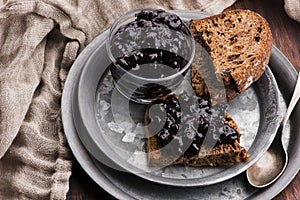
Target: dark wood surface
[(286, 33)]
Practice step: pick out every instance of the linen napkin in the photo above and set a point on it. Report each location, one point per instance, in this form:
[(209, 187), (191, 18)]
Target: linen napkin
[(39, 40)]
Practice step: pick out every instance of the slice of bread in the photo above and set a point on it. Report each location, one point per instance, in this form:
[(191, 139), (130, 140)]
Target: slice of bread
[(239, 43), (234, 51), (227, 153)]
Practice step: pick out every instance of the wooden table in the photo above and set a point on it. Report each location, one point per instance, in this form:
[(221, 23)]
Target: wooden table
[(286, 33)]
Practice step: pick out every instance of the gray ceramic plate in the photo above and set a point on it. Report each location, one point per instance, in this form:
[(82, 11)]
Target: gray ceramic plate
[(127, 186), (107, 129)]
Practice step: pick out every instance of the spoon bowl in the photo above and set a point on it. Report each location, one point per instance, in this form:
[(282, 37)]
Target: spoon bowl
[(270, 166), (274, 161)]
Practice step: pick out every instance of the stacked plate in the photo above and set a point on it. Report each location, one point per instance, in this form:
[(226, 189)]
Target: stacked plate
[(105, 133)]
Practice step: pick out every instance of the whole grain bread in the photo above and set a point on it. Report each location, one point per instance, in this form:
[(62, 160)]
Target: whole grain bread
[(223, 154), (239, 43), (234, 51)]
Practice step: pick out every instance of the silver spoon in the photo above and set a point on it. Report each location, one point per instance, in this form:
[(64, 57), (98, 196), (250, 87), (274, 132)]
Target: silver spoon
[(274, 161)]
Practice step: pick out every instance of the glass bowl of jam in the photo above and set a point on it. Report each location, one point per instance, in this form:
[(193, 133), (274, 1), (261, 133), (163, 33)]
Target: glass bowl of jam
[(151, 51)]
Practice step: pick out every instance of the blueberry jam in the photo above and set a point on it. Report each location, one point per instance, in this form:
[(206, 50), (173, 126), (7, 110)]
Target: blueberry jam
[(192, 121), (169, 113), (161, 17), (152, 63), (151, 46)]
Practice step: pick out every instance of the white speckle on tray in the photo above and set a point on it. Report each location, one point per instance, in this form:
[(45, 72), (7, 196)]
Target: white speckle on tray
[(140, 131), (107, 86), (127, 127), (181, 172), (115, 127), (129, 136), (104, 105), (132, 132), (139, 159)]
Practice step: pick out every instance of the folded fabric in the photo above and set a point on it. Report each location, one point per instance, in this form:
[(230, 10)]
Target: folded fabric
[(39, 41)]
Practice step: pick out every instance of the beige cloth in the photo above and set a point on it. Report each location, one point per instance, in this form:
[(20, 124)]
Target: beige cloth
[(39, 41)]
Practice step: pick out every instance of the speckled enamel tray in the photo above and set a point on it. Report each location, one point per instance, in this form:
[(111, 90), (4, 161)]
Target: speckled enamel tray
[(130, 186)]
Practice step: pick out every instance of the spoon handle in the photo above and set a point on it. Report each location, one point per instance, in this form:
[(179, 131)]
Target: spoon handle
[(294, 100)]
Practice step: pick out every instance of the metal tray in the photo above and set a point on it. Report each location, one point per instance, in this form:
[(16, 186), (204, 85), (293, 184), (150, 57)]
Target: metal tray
[(102, 116), (235, 187)]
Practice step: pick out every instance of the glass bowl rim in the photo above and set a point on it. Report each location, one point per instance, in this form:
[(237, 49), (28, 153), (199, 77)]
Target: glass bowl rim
[(154, 80)]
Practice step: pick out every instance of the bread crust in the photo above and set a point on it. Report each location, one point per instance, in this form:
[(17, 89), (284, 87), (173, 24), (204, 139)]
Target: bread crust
[(239, 43)]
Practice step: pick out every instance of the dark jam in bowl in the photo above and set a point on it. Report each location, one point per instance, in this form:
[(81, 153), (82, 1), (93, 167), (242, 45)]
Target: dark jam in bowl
[(152, 63), (190, 120), (152, 47)]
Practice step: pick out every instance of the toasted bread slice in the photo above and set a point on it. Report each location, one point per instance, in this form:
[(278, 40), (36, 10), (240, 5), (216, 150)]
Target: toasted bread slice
[(239, 43), (226, 152)]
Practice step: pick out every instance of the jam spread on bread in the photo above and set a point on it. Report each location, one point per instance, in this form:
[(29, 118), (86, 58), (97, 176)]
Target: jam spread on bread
[(188, 120)]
